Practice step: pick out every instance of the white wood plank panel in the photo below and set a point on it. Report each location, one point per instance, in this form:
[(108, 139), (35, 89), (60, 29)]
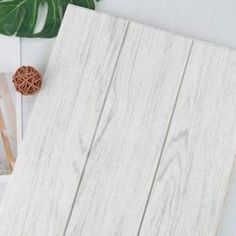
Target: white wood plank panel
[(195, 168), (42, 189), (120, 169)]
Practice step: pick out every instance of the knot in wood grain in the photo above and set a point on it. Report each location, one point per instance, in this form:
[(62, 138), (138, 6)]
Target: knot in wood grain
[(27, 80)]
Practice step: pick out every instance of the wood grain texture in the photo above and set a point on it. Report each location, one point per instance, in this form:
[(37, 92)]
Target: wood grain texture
[(133, 133), (42, 188), (194, 170), (130, 135)]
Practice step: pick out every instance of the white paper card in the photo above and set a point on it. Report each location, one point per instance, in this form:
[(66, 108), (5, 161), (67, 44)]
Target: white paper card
[(8, 124)]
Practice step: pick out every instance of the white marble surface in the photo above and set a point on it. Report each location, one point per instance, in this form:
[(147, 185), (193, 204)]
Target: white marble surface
[(210, 20)]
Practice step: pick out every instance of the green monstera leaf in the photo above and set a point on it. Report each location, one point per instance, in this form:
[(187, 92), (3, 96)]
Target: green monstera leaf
[(20, 16)]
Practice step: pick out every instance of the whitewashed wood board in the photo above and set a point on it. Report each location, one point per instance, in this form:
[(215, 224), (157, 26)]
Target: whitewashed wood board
[(199, 154), (132, 133), (49, 164)]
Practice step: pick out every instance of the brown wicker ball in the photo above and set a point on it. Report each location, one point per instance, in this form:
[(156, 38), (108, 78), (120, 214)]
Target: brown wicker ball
[(27, 80)]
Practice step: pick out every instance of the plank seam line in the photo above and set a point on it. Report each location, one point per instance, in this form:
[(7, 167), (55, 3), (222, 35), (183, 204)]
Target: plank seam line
[(21, 99), (165, 139), (96, 129)]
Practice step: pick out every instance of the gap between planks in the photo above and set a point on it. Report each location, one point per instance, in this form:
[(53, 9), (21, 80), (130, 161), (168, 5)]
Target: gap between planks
[(177, 88), (164, 143), (95, 132), (173, 113)]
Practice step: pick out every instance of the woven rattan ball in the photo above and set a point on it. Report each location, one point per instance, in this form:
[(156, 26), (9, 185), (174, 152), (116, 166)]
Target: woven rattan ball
[(27, 80)]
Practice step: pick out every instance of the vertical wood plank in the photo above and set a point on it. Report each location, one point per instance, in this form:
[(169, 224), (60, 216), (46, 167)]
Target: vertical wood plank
[(19, 105), (194, 171), (9, 53), (54, 150), (126, 150)]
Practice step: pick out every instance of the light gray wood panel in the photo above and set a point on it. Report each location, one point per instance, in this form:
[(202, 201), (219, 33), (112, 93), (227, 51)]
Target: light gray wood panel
[(48, 170), (120, 169), (195, 168)]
